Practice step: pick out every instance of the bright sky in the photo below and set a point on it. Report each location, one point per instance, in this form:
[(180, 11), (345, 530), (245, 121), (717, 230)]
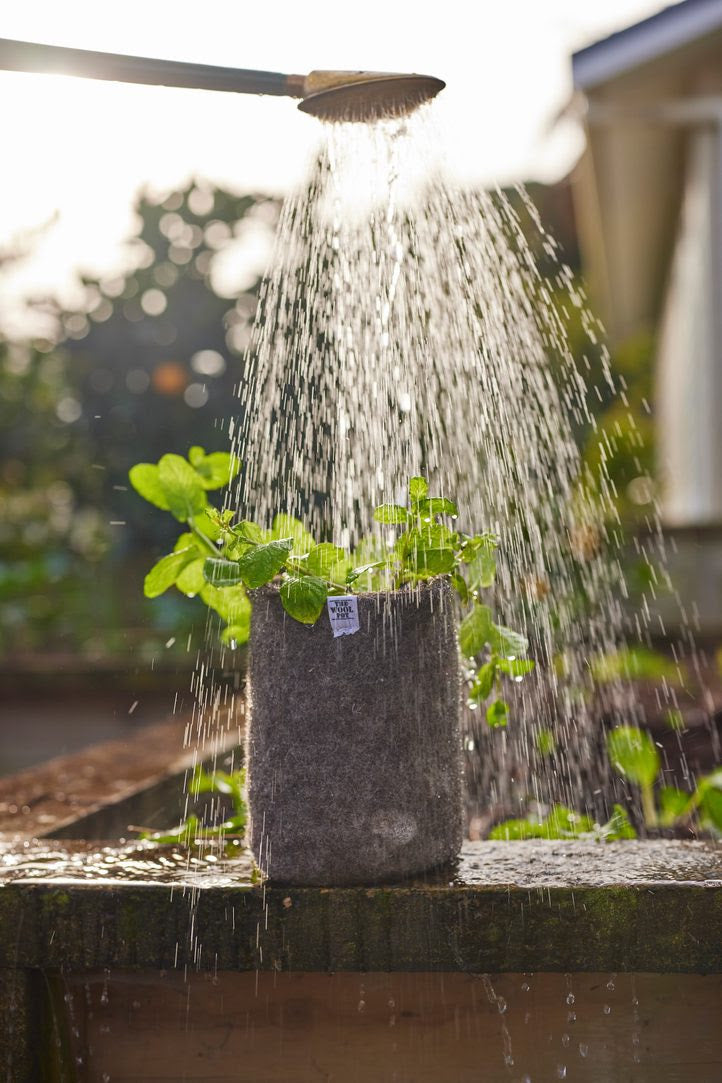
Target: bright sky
[(79, 150)]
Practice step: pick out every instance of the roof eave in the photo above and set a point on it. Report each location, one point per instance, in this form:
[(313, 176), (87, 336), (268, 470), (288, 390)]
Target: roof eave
[(645, 41)]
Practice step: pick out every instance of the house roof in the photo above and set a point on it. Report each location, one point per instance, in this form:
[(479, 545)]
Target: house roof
[(650, 39), (643, 87)]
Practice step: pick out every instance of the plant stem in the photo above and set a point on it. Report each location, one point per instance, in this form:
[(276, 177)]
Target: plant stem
[(205, 542), (648, 807)]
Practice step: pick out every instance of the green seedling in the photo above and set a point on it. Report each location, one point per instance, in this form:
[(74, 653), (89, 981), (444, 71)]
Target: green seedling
[(220, 558), (192, 832), (564, 823), (633, 755)]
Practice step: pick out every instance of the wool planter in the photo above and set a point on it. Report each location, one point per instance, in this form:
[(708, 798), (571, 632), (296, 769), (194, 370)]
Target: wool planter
[(354, 749)]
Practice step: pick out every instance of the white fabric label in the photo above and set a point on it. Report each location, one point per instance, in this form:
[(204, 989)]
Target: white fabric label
[(343, 614)]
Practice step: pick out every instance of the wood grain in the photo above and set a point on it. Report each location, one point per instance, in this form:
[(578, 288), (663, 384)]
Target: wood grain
[(591, 1028)]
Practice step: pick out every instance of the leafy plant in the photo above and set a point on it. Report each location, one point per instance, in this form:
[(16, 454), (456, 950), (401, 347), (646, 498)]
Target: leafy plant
[(192, 831), (564, 823), (219, 560), (633, 754)]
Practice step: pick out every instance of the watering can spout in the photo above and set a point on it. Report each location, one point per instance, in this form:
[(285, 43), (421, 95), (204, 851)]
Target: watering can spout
[(329, 95)]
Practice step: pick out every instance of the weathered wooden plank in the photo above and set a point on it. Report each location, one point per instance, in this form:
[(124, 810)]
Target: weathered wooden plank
[(509, 907), (632, 1028)]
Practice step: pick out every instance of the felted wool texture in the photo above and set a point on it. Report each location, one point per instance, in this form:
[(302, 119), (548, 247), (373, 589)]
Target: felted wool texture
[(354, 746)]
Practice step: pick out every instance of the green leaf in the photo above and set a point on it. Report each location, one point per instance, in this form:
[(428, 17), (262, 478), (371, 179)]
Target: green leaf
[(285, 526), (249, 531), (671, 803), (638, 663), (506, 642), (426, 563), (182, 487), (483, 683), (191, 580), (323, 558), (164, 574), (418, 489), (263, 562), (497, 714), (390, 514), (711, 781), (230, 603), (196, 454), (364, 569), (459, 584), (482, 569), (711, 807), (222, 573), (236, 634), (515, 667), (674, 719), (145, 479), (436, 505), (185, 541), (618, 826), (303, 597), (474, 630), (206, 520), (516, 830), (633, 754), (216, 469), (563, 823), (546, 743), (428, 536), (472, 544)]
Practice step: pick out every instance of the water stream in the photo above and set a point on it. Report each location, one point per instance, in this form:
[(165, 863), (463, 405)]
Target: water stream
[(405, 328)]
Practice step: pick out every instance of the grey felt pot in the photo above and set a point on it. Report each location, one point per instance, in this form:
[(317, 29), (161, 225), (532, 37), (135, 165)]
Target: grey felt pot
[(354, 748)]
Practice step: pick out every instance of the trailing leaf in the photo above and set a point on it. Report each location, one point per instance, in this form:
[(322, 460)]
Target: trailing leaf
[(459, 584), (497, 714), (483, 683), (474, 630), (481, 570), (303, 597), (506, 642)]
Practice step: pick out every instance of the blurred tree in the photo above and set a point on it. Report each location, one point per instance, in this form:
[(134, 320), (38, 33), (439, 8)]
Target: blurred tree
[(155, 354), (147, 364)]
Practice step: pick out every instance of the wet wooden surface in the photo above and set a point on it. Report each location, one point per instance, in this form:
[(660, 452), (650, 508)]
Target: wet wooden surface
[(507, 907), (61, 796), (590, 1028)]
